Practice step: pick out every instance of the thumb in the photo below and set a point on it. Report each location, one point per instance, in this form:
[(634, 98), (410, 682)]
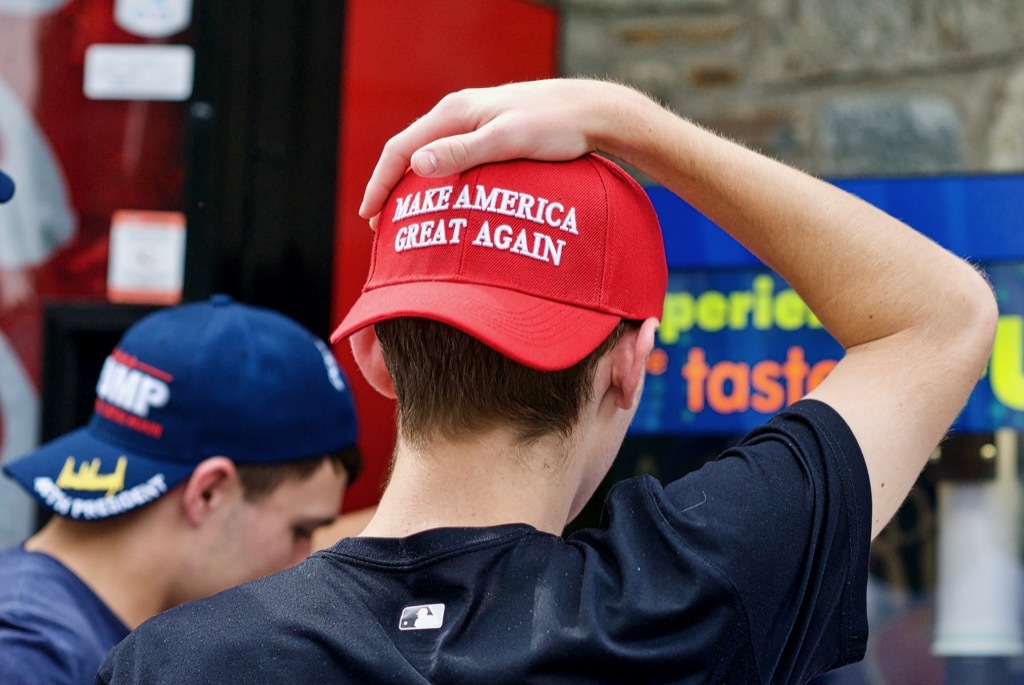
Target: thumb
[(458, 153), (423, 162)]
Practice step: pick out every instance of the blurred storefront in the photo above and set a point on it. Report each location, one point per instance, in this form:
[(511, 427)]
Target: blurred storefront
[(218, 133), (81, 141), (164, 151)]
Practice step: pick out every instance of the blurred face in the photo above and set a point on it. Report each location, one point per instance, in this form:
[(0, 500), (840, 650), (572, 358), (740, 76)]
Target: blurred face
[(275, 532)]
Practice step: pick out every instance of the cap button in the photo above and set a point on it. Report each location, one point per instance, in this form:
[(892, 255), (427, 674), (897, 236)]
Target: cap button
[(220, 300)]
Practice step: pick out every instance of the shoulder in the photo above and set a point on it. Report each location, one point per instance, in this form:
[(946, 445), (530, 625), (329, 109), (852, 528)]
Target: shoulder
[(50, 629), (772, 497), (807, 449), (801, 458), (813, 422), (747, 528), (31, 583), (240, 630)]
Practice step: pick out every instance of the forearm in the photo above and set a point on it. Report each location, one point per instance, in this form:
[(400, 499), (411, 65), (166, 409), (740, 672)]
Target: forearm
[(865, 274), (916, 321)]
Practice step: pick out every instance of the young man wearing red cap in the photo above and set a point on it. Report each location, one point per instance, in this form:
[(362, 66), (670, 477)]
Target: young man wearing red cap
[(510, 306), (222, 436)]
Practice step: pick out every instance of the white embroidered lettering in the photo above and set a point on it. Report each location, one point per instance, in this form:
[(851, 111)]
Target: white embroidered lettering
[(508, 202), (432, 200), (521, 247), (483, 237), (456, 226), (428, 234), (493, 200), (503, 237), (549, 215), (569, 221), (486, 202), (130, 388), (79, 508), (523, 210), (544, 249), (463, 201)]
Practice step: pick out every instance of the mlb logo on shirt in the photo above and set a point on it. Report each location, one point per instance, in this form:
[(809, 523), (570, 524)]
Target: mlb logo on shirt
[(422, 617)]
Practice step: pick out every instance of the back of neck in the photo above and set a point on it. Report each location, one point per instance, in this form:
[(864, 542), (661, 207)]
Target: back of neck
[(485, 481)]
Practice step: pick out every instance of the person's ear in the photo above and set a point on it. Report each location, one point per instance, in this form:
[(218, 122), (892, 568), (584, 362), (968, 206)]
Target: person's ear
[(210, 485), (630, 364), (370, 360)]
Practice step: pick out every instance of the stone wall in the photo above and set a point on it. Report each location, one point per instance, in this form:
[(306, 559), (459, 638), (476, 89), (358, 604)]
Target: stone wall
[(837, 87)]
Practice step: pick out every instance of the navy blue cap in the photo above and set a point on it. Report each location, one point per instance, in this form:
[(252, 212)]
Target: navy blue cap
[(216, 378), (6, 187)]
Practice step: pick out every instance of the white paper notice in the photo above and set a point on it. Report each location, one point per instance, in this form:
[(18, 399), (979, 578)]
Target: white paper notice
[(153, 18), (147, 257), (139, 72)]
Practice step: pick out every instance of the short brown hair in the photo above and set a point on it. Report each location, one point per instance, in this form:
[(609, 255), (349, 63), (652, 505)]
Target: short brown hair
[(259, 480), (450, 384)]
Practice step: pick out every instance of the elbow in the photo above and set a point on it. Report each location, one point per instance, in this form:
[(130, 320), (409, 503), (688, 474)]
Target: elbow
[(975, 320)]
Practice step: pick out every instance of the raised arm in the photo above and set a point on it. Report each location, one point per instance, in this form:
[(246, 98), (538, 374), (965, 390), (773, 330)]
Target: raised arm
[(917, 322)]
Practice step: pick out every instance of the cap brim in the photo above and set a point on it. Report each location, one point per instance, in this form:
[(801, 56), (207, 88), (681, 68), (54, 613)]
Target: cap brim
[(539, 333), (80, 476)]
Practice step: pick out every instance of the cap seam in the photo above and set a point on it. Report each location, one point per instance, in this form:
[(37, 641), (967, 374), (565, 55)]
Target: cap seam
[(603, 300)]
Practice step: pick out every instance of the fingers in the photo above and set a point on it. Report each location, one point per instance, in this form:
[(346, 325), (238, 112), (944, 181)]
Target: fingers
[(547, 120), (386, 174), (490, 143), (448, 117), (439, 156)]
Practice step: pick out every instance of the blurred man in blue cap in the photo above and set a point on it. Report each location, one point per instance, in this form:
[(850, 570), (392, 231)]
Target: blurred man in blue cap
[(222, 435)]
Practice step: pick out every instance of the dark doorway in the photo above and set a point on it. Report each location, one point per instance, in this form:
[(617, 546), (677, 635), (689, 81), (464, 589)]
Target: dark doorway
[(262, 154)]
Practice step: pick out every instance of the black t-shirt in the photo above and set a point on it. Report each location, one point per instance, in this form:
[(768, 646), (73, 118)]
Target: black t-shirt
[(751, 569)]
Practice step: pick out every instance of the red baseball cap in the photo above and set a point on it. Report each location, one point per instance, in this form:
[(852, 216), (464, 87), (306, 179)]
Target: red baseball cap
[(538, 260)]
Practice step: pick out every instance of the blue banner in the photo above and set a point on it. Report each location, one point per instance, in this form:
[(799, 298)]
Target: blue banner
[(736, 344), (980, 217)]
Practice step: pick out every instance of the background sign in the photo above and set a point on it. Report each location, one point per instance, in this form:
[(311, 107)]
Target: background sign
[(736, 344)]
